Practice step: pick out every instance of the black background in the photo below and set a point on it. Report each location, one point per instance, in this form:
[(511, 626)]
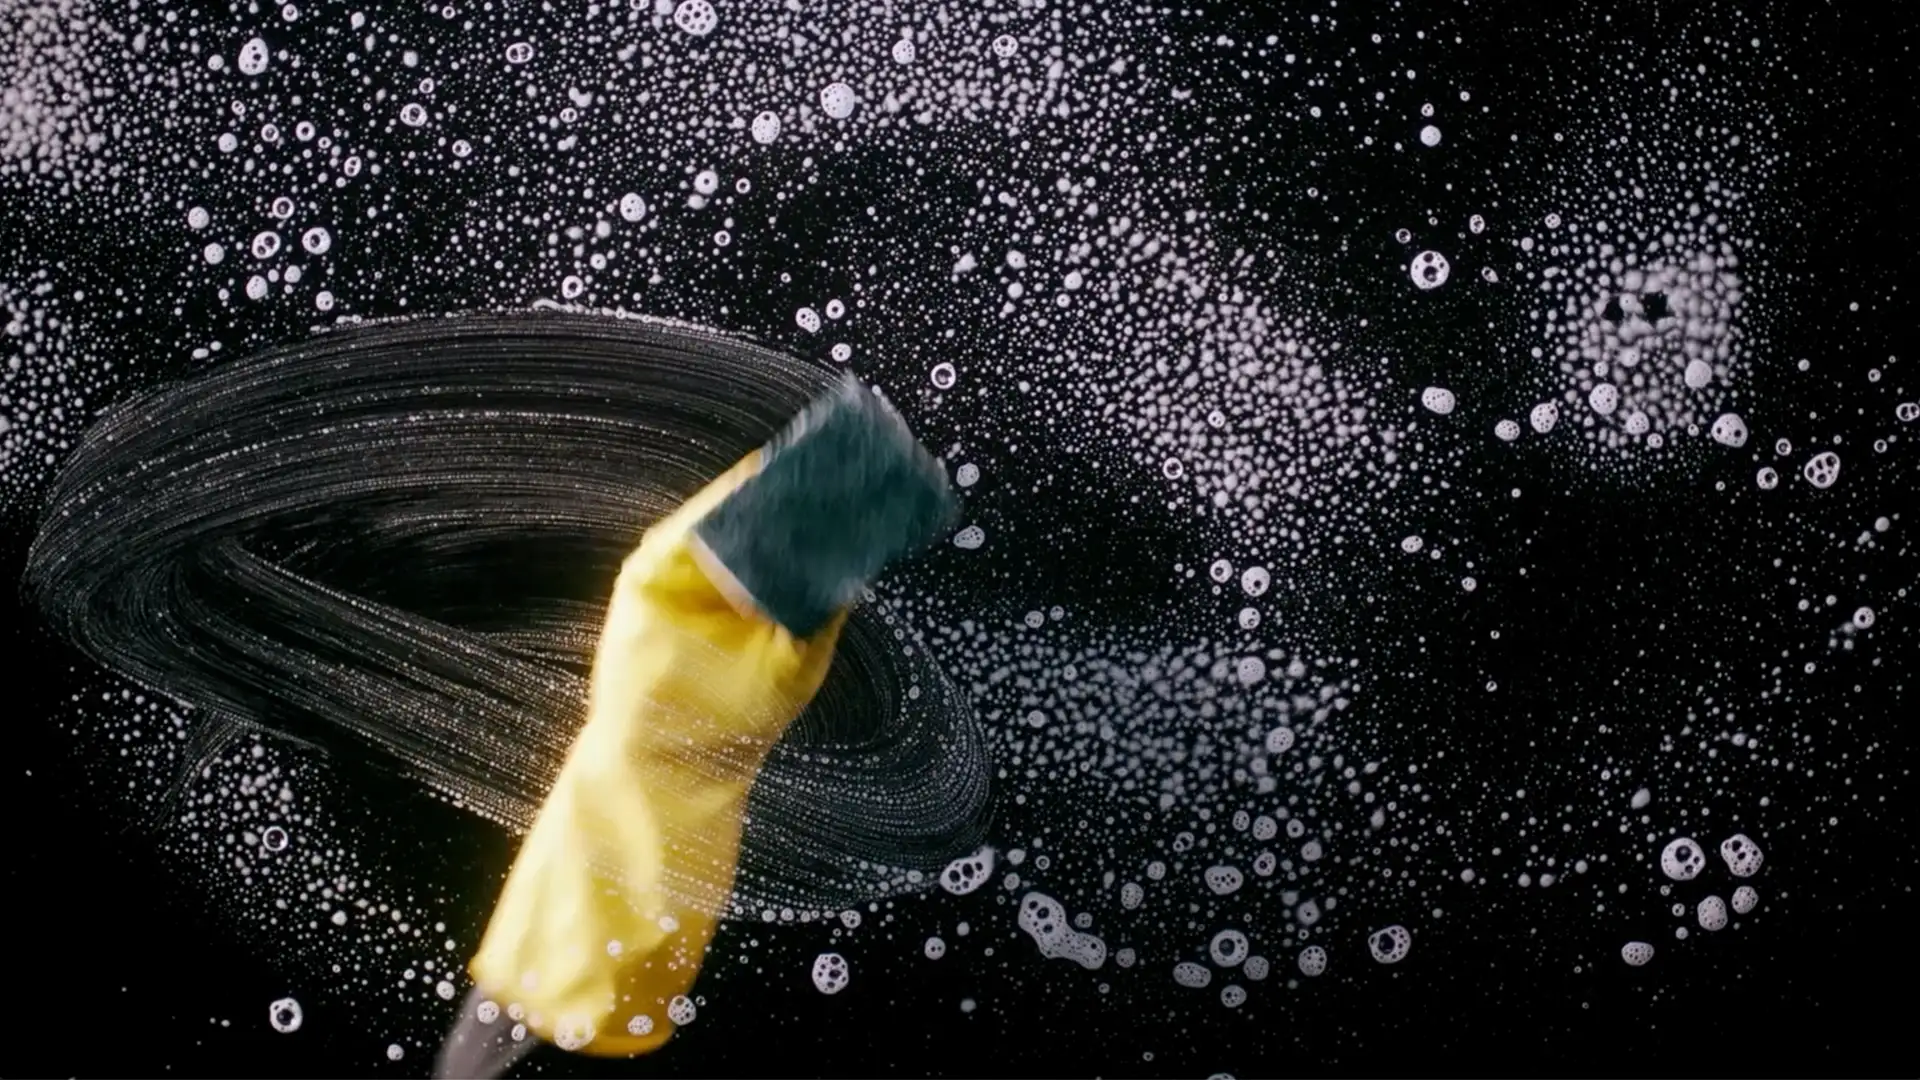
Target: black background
[(120, 967)]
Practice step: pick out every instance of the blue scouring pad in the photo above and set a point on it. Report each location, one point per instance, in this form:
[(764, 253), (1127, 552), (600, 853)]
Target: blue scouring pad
[(841, 493)]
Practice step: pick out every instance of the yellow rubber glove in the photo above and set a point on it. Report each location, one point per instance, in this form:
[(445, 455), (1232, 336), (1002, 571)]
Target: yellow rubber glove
[(721, 629), (609, 908)]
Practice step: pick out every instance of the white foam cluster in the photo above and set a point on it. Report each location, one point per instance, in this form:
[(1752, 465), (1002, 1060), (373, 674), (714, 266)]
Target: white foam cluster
[(1682, 859), (1391, 944), (1228, 948), (1312, 961), (831, 973), (963, 876), (1191, 975), (1045, 920), (1711, 913), (1741, 854)]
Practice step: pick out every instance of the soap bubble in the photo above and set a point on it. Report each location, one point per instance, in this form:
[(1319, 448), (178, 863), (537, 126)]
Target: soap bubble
[(1228, 948), (1429, 136), (766, 127), (1682, 859), (1429, 270), (830, 973), (1712, 913), (1544, 416), (253, 57), (1741, 854), (1437, 400), (1390, 945), (964, 875), (1745, 898), (1507, 430), (696, 17), (1822, 469), (1312, 961), (1191, 975), (285, 1015), (837, 100), (1729, 430), (681, 1010), (1636, 953), (1222, 879)]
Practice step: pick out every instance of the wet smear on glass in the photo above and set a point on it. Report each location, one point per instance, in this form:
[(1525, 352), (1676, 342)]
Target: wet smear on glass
[(394, 543)]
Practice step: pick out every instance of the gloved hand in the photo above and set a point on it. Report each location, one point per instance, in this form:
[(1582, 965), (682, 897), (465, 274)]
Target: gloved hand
[(721, 628)]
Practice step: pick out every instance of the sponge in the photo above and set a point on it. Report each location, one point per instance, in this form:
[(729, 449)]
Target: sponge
[(842, 492)]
